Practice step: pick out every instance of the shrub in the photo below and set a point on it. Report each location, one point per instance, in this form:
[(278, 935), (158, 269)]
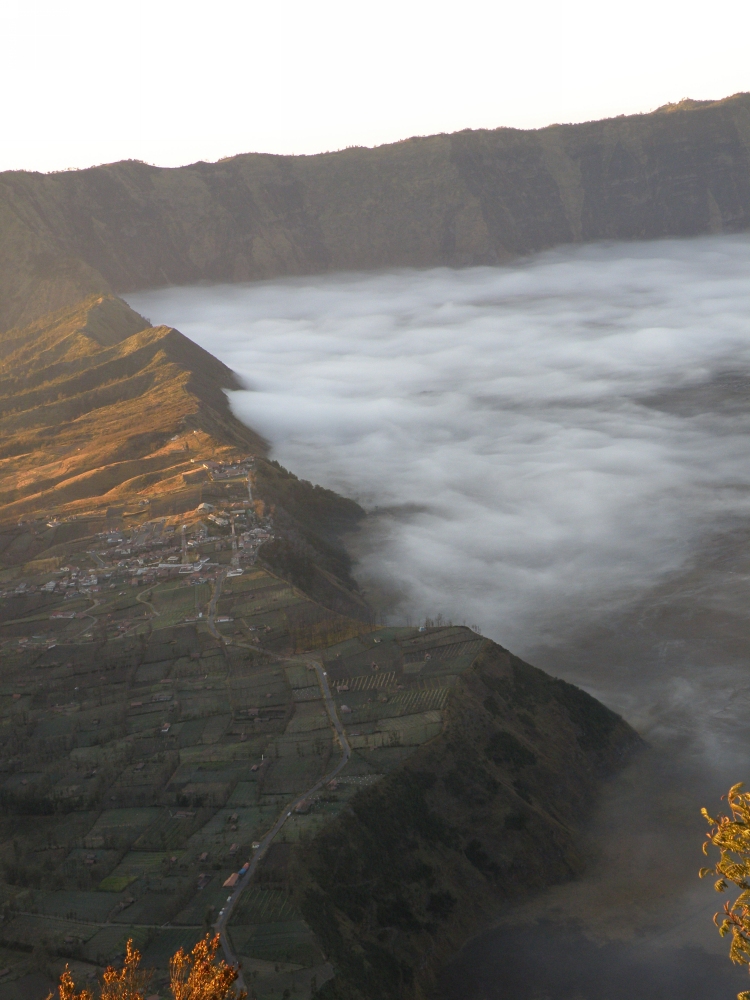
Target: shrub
[(196, 975)]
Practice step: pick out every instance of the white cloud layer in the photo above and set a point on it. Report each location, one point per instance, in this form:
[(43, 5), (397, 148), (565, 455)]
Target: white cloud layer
[(545, 435)]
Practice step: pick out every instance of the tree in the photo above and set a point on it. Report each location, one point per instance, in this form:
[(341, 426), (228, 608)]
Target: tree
[(198, 976), (195, 975), (731, 834)]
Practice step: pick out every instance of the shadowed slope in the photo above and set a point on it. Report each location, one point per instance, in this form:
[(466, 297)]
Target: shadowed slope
[(482, 814)]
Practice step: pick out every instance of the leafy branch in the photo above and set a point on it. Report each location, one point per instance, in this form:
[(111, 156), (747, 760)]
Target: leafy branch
[(731, 835), (194, 975)]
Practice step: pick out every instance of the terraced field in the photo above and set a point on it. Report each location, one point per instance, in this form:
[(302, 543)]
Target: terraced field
[(139, 770)]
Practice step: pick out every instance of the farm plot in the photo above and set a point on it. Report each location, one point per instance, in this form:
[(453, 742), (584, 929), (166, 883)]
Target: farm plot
[(362, 763), (60, 726), (218, 835), (403, 703), (245, 794), (190, 773), (219, 752), (274, 592), (111, 940), (191, 732), (289, 775), (299, 676), (260, 906), (171, 830), (306, 694), (202, 704), (338, 654), (215, 728), (152, 908), (120, 826), (299, 745), (24, 781), (255, 581), (27, 927), (281, 941), (128, 788), (299, 827), (439, 669), (152, 673), (412, 730), (199, 908), (166, 942), (267, 600), (89, 906), (433, 636), (99, 863), (133, 866), (261, 686), (381, 657), (147, 718), (308, 717), (371, 681), (174, 604)]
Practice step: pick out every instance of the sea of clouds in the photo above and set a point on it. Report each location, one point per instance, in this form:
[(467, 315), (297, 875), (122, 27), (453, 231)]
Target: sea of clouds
[(556, 451), (538, 441)]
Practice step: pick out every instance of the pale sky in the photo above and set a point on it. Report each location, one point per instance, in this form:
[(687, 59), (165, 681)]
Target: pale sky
[(92, 81)]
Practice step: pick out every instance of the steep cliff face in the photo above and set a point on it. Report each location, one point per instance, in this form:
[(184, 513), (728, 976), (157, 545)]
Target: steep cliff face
[(468, 198), (490, 809)]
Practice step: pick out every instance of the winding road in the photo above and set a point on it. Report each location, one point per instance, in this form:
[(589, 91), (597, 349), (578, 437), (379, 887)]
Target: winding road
[(143, 598), (265, 843)]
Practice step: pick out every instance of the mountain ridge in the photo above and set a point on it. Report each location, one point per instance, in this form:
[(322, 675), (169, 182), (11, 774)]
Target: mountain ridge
[(471, 197), (90, 398)]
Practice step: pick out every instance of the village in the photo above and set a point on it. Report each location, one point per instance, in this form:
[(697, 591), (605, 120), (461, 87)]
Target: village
[(196, 548)]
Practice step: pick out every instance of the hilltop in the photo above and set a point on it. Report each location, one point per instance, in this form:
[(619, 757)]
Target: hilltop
[(473, 197)]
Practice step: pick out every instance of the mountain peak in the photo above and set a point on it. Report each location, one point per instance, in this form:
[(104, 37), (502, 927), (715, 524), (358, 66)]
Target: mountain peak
[(109, 320)]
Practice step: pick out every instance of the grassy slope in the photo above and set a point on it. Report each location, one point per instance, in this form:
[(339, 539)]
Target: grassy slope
[(98, 409), (90, 397), (486, 811), (468, 198)]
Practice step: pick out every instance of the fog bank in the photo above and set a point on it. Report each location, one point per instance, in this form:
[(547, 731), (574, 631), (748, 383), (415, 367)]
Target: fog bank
[(556, 451), (539, 437)]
